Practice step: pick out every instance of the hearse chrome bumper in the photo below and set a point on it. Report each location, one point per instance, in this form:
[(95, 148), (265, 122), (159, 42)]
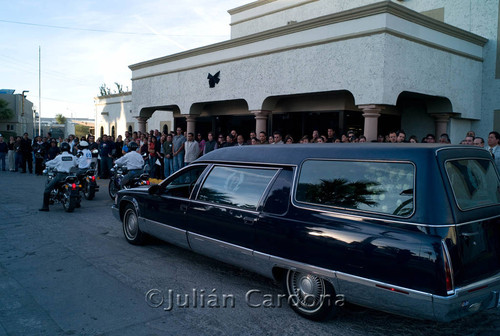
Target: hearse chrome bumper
[(481, 295)]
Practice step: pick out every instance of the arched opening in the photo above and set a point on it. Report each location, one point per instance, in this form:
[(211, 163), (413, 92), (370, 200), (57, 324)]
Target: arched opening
[(300, 114), (102, 131), (130, 129), (165, 129), (113, 131)]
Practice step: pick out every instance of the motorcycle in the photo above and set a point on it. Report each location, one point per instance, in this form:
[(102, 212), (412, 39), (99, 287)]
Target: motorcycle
[(66, 192), (117, 174), (89, 184)]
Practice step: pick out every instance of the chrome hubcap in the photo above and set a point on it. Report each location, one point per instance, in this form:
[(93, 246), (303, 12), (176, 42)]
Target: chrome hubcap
[(307, 291), (131, 224)]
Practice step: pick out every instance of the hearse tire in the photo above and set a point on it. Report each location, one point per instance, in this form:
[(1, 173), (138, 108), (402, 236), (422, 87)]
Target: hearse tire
[(309, 295), (131, 230)]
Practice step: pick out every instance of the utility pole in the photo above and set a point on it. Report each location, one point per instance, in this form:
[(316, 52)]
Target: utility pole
[(39, 90)]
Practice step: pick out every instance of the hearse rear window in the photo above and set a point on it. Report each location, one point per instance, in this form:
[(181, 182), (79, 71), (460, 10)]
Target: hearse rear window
[(236, 186), (384, 187), (474, 182)]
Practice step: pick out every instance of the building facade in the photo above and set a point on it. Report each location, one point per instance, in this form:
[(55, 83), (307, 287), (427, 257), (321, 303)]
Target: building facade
[(114, 116), (23, 117), (427, 66)]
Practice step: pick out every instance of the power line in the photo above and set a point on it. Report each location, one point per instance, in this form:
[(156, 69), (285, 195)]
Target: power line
[(99, 30)]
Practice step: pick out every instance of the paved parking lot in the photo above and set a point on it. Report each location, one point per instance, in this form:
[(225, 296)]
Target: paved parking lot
[(74, 274)]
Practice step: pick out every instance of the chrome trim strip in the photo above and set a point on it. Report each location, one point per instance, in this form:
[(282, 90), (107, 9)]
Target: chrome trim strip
[(238, 248), (298, 171), (165, 232), (450, 265), (243, 163)]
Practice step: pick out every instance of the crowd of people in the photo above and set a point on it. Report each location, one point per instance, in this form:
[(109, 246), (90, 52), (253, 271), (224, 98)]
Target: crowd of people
[(166, 153)]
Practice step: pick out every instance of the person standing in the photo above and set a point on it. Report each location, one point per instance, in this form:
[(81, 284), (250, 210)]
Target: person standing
[(152, 155), (26, 151), (201, 144), (178, 150), (118, 147), (39, 150), (494, 147), (12, 154), (4, 149), (210, 144), (168, 157), (53, 150), (94, 149), (192, 149), (105, 150)]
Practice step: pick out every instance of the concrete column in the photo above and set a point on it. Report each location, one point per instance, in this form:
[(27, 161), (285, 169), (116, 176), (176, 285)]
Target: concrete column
[(191, 124), (142, 123), (371, 114), (260, 120), (441, 123)]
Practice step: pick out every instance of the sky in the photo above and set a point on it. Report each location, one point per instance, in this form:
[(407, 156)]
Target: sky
[(85, 44)]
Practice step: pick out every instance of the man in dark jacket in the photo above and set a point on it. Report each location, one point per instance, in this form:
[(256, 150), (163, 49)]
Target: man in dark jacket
[(26, 152), (106, 150)]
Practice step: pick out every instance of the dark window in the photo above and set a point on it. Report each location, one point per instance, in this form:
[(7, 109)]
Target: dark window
[(235, 186), (386, 187), (474, 183), (130, 128), (183, 184)]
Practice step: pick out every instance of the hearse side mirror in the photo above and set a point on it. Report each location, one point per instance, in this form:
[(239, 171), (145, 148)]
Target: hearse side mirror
[(154, 189)]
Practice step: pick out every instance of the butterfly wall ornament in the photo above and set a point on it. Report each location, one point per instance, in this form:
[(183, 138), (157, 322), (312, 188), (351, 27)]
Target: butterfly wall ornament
[(213, 79)]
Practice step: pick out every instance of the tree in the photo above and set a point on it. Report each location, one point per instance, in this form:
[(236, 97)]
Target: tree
[(5, 111), (119, 87), (104, 90), (60, 119)]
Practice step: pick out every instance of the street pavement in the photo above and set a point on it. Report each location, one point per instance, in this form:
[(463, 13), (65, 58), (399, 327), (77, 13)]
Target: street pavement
[(74, 274)]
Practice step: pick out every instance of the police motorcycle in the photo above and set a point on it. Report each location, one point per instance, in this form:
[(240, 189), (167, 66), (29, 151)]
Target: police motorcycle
[(62, 184), (118, 172), (66, 192), (88, 182), (87, 177)]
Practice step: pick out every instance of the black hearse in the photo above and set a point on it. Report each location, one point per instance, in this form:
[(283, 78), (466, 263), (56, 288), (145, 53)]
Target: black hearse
[(411, 229)]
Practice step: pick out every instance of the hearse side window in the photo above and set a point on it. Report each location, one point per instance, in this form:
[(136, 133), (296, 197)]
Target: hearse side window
[(236, 186), (474, 182), (182, 185), (384, 187)]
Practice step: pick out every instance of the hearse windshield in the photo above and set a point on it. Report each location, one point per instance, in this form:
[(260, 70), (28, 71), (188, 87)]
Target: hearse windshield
[(474, 182), (383, 187)]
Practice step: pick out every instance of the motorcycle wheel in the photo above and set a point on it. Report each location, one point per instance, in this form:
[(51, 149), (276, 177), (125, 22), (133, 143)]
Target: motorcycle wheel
[(89, 192), (69, 202), (113, 189)]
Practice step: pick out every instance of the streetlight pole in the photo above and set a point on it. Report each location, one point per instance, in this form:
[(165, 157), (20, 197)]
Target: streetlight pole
[(22, 108)]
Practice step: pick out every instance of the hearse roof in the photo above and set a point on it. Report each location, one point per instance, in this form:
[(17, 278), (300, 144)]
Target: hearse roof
[(294, 154)]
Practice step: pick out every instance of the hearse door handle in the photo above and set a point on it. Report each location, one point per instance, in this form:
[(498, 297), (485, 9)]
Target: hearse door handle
[(184, 207), (249, 220)]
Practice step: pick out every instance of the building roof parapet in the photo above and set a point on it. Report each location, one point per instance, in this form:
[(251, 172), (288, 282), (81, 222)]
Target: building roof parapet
[(384, 7)]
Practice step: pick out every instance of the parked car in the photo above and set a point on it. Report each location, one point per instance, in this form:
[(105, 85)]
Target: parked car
[(410, 229)]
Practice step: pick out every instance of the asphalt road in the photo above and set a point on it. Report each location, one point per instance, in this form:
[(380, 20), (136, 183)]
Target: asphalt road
[(74, 274)]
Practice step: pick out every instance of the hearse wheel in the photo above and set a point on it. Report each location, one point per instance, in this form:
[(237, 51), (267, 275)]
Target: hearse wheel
[(131, 229), (310, 295)]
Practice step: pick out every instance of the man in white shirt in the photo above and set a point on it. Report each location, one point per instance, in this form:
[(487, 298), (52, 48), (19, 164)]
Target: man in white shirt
[(192, 149), (62, 164), (133, 161)]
